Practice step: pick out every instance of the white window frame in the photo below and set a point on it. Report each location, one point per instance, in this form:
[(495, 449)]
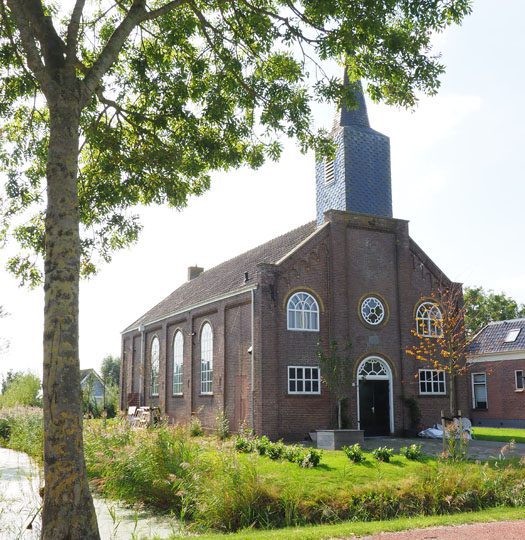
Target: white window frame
[(304, 380), (155, 366), (474, 392), (178, 363), (365, 316), (303, 314), (427, 323), (441, 374), (516, 380), (206, 347)]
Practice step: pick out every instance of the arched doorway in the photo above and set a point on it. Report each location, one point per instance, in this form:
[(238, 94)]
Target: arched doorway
[(375, 403)]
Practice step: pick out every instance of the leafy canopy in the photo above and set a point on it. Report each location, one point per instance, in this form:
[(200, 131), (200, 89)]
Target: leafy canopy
[(196, 86), (483, 306), (110, 370)]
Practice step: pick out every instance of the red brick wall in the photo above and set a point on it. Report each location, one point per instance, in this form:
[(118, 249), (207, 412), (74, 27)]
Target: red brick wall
[(506, 406), (354, 256)]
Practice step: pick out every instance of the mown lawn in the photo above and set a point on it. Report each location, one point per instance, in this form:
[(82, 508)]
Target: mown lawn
[(499, 434), (349, 529), (337, 473)]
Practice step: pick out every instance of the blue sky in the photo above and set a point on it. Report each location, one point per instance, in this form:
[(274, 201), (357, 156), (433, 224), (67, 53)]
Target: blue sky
[(458, 169)]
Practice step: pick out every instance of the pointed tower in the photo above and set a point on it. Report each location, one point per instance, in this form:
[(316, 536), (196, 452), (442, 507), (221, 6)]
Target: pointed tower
[(358, 179)]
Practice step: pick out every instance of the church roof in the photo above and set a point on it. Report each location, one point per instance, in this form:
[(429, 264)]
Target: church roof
[(499, 337), (227, 277)]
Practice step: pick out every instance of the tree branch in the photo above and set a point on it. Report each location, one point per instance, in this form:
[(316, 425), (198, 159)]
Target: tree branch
[(109, 54), (73, 29), (34, 61)]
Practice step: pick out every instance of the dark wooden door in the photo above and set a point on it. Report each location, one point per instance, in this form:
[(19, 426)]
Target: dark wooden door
[(374, 407)]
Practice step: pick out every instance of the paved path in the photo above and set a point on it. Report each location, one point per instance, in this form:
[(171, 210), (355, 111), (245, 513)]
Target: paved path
[(20, 501), (481, 450), (507, 530)]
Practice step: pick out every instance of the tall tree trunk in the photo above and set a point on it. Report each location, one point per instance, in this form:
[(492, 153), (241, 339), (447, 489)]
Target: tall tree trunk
[(68, 511)]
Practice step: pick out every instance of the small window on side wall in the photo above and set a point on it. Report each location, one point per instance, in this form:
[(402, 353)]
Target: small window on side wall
[(304, 380), (479, 391), (206, 359), (155, 358), (303, 312), (520, 385), (178, 357)]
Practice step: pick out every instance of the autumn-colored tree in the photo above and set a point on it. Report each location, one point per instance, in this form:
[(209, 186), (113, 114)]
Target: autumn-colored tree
[(440, 334), (105, 105)]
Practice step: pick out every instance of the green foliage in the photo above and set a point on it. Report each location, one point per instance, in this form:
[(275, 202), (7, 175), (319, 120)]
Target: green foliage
[(21, 389), (22, 429), (413, 452), (110, 370), (222, 425), (154, 466), (112, 400), (305, 457), (90, 406), (482, 307), (197, 87), (354, 453), (336, 372), (195, 426), (456, 443), (383, 453)]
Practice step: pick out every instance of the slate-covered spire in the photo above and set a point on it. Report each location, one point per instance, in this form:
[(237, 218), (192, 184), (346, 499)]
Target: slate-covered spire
[(354, 117), (358, 179)]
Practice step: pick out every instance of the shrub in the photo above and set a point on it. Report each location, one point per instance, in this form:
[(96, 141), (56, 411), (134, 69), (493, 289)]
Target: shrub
[(244, 444), (195, 427), (383, 453), (262, 444), (312, 458), (354, 453), (294, 454), (222, 425), (23, 389), (158, 466), (413, 452), (23, 430), (275, 450)]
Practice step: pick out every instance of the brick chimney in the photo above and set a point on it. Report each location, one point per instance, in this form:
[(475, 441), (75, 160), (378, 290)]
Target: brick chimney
[(194, 271)]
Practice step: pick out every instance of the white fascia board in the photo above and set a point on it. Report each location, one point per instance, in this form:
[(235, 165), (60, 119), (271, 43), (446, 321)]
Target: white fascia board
[(300, 245), (196, 306), (496, 357)]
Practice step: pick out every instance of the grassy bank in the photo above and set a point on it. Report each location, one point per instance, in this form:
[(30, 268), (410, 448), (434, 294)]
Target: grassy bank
[(211, 486), (499, 434), (341, 530)]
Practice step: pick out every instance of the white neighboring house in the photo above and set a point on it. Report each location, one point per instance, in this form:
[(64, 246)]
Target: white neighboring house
[(496, 361), (89, 378)]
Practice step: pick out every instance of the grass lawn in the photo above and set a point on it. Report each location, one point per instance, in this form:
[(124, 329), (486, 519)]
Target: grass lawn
[(348, 529), (499, 434), (337, 473)]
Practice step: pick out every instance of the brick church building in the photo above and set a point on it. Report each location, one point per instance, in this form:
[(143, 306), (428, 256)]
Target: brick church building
[(242, 337)]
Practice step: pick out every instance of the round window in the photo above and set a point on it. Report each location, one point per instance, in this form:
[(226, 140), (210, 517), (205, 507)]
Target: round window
[(372, 310)]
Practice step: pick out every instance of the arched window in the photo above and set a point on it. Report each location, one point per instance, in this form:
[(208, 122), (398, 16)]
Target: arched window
[(429, 320), (155, 356), (303, 312), (178, 356), (206, 359)]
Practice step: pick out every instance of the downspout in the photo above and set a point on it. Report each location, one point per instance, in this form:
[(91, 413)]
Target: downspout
[(252, 366), (402, 351)]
